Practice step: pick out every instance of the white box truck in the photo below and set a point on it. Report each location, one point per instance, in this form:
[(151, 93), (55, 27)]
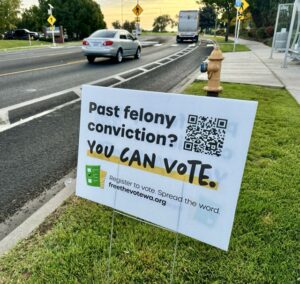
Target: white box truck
[(188, 26)]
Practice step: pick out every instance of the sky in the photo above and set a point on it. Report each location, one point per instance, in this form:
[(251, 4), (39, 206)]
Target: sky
[(112, 9)]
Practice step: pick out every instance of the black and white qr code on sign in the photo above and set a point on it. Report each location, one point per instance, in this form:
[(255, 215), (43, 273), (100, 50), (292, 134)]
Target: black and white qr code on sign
[(205, 135)]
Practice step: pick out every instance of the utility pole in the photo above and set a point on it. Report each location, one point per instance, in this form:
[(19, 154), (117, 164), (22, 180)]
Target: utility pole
[(50, 14)]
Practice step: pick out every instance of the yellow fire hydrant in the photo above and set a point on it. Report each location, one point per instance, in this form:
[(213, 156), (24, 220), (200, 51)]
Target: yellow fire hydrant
[(213, 69)]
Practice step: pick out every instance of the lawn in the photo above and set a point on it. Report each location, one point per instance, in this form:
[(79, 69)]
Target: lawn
[(19, 44), (149, 33), (72, 245), (227, 46)]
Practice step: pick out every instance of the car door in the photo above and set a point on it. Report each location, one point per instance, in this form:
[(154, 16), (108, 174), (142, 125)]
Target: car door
[(132, 43), (124, 43), (17, 34)]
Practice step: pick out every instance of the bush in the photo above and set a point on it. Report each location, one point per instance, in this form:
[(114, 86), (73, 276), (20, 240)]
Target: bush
[(261, 33), (270, 31), (243, 33), (252, 33), (231, 29)]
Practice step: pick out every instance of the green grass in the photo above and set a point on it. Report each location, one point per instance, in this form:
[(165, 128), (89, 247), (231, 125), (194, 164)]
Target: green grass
[(19, 44), (227, 46), (218, 39), (148, 33), (72, 245)]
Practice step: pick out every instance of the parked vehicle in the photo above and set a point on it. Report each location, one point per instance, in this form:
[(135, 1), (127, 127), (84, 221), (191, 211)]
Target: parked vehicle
[(9, 35), (23, 34), (111, 43), (188, 26)]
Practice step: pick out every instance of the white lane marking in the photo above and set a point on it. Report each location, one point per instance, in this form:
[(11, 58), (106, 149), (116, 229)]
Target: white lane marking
[(30, 90), (158, 44), (4, 111), (120, 78), (42, 68), (33, 101), (175, 45), (22, 121)]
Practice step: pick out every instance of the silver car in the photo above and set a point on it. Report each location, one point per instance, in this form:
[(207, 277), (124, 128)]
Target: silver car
[(111, 43)]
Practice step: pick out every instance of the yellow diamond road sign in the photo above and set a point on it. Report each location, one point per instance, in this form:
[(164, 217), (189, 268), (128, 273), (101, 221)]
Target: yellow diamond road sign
[(137, 10), (244, 7), (51, 20)]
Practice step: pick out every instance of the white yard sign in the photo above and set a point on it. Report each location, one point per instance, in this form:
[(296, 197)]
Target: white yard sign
[(174, 160)]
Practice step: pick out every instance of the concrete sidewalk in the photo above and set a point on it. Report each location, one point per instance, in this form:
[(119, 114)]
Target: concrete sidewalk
[(256, 67)]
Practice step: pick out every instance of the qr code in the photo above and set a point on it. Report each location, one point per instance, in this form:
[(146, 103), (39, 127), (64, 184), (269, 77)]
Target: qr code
[(205, 135)]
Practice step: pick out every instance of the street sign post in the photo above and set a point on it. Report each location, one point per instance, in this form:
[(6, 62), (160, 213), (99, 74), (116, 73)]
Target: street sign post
[(238, 4), (51, 20), (245, 5), (241, 6), (137, 10)]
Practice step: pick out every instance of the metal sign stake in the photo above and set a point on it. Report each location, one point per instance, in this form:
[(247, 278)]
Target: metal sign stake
[(112, 228), (177, 234)]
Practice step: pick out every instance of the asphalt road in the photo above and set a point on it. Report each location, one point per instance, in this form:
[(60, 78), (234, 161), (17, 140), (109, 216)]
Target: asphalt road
[(28, 75), (36, 154)]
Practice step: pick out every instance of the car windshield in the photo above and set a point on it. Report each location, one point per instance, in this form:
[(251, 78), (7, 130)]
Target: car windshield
[(104, 34)]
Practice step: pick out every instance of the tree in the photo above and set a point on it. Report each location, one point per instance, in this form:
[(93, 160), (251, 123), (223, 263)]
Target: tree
[(116, 24), (161, 22), (129, 26), (9, 10), (30, 19), (79, 17), (208, 17), (224, 6), (264, 12)]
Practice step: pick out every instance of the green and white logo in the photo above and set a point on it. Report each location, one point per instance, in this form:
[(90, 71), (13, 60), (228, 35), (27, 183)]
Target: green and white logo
[(94, 176)]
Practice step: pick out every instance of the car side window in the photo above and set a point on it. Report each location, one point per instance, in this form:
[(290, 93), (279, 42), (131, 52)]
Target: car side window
[(129, 36), (122, 36)]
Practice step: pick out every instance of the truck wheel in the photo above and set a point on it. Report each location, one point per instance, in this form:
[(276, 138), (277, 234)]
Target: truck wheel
[(90, 58)]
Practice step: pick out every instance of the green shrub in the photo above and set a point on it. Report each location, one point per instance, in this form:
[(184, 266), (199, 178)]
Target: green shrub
[(269, 31), (231, 29), (243, 33), (252, 33), (261, 33)]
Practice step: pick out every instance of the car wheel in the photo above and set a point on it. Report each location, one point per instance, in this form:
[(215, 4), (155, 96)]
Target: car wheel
[(91, 59), (138, 54), (119, 56)]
